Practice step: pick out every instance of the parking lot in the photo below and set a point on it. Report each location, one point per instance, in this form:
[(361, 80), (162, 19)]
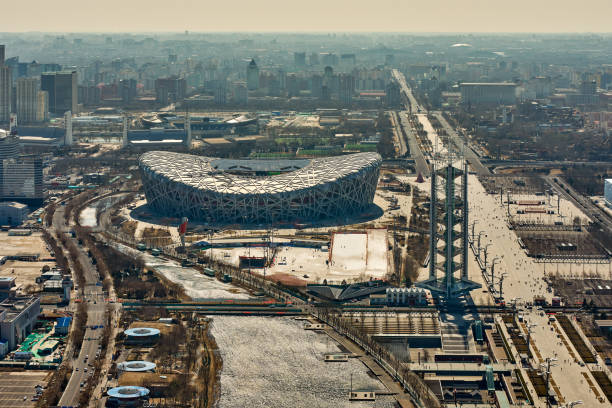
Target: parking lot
[(14, 386)]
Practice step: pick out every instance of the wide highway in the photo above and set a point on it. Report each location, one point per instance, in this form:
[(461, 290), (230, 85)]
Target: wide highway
[(93, 297)]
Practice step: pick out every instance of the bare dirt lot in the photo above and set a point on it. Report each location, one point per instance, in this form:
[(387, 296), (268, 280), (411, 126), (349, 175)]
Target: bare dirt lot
[(25, 273), (517, 183), (32, 244)]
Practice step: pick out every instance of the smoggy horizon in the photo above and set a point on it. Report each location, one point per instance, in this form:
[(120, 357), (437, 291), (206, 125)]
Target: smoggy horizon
[(444, 16)]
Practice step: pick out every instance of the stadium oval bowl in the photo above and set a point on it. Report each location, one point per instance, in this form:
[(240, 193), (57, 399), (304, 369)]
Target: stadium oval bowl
[(137, 366), (234, 191)]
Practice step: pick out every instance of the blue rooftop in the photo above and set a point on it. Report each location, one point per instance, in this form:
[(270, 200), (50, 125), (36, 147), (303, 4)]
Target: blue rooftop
[(128, 392)]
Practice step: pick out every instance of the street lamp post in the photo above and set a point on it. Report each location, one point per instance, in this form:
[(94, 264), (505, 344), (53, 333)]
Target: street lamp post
[(529, 327), (486, 248), (479, 234), (473, 225), (501, 285), (493, 270), (549, 363)]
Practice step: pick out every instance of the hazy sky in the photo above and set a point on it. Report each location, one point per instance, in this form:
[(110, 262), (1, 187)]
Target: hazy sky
[(308, 15)]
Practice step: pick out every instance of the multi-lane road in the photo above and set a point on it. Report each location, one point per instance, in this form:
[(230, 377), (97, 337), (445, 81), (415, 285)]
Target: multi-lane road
[(591, 210), (412, 106), (404, 128), (462, 144), (93, 297)]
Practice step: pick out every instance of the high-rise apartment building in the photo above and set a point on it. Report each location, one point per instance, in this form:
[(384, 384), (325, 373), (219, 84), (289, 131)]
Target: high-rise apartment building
[(42, 106), (240, 93), (61, 87), (252, 76), (127, 90), (220, 92), (346, 88), (31, 101), (299, 59)]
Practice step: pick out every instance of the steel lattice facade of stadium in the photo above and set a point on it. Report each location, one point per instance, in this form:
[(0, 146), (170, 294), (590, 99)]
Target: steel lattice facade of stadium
[(180, 185)]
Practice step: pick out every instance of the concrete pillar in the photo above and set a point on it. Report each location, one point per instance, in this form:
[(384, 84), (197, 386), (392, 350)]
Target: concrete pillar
[(124, 134), (188, 130), (68, 125)]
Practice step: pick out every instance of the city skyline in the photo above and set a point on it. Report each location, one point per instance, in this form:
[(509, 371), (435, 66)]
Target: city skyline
[(474, 16)]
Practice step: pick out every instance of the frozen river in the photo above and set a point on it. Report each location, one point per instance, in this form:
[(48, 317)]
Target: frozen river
[(273, 362), (87, 217), (197, 286)]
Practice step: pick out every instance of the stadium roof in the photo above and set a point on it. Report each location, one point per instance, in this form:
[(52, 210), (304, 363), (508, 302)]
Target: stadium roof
[(199, 172)]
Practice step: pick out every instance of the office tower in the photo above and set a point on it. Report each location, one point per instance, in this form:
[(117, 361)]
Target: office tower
[(61, 87), (5, 88), (28, 99), (588, 87), (299, 59), (170, 90), (252, 76), (9, 145), (21, 179)]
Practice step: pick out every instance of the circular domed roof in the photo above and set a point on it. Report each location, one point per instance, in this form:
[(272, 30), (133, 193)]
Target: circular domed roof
[(142, 332), (136, 366), (128, 392)]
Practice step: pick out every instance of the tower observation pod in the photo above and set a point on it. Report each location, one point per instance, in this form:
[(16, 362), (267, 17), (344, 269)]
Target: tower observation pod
[(448, 244)]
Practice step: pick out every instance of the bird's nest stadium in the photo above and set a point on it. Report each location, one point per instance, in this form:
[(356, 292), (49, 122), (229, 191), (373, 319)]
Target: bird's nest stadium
[(258, 191)]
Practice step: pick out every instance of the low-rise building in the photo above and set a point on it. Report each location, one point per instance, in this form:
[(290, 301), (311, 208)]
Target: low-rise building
[(489, 93), (63, 325), (17, 318), (12, 213), (7, 287), (400, 297)]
